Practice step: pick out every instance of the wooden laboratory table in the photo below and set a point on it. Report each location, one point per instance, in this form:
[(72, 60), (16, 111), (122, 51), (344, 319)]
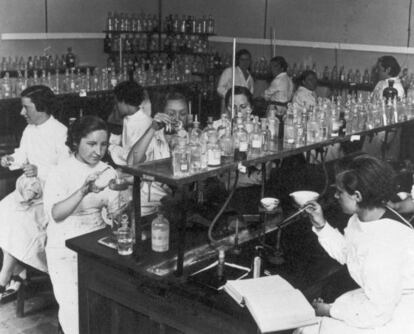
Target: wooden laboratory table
[(119, 294), (161, 170)]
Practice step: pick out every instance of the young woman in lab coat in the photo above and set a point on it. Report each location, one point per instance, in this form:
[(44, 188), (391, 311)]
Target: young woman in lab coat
[(378, 248), (74, 200)]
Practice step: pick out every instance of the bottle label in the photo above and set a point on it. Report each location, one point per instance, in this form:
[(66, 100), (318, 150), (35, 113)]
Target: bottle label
[(243, 146), (256, 143), (160, 239), (213, 157)]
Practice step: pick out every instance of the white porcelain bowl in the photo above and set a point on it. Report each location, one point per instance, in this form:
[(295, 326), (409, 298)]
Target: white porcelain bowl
[(269, 203), (301, 197)]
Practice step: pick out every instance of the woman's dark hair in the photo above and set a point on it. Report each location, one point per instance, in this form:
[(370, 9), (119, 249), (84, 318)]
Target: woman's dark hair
[(81, 128), (240, 53), (281, 61), (41, 96), (373, 178), (130, 93), (238, 90), (391, 63), (172, 96), (304, 75)]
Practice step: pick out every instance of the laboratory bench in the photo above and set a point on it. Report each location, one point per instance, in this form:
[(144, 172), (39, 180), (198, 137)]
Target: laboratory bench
[(130, 294)]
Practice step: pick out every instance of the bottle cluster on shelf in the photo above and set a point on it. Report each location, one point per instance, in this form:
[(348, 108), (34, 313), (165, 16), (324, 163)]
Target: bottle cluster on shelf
[(133, 22), (44, 62), (155, 63), (189, 24), (72, 81), (248, 137), (144, 42)]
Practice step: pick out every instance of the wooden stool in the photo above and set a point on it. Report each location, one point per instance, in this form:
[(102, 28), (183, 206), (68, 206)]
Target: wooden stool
[(34, 277)]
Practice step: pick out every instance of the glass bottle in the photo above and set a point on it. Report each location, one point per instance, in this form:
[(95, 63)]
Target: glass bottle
[(265, 136), (160, 234), (196, 132), (195, 154), (226, 146), (180, 158), (256, 140), (124, 237), (389, 93), (70, 58), (241, 141), (213, 152)]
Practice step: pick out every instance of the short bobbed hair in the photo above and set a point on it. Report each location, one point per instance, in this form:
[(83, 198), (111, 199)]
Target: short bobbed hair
[(42, 97), (373, 178), (129, 92), (173, 95), (391, 63), (281, 61), (81, 128), (238, 90), (240, 53)]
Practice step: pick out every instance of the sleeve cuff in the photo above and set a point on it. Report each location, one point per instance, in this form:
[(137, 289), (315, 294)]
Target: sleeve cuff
[(324, 231)]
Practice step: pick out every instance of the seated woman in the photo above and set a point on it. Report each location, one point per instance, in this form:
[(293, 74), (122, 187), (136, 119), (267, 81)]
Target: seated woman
[(243, 102), (155, 144), (74, 203), (305, 95), (378, 249), (22, 219)]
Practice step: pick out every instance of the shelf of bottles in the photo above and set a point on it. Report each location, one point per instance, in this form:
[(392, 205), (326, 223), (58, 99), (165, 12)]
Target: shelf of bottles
[(250, 138), (142, 44)]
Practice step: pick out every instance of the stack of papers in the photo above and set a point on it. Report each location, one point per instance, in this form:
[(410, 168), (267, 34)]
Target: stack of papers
[(273, 302)]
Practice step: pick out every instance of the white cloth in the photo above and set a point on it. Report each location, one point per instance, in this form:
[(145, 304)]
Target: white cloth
[(382, 84), (304, 97), (134, 127), (225, 81), (380, 258), (23, 231), (62, 182), (157, 149), (280, 89)]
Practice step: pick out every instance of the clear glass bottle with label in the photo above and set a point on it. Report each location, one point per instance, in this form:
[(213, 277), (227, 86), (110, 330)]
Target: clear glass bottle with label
[(160, 234)]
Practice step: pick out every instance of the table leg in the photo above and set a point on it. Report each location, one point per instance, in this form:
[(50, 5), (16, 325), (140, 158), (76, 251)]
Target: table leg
[(136, 216), (181, 229)]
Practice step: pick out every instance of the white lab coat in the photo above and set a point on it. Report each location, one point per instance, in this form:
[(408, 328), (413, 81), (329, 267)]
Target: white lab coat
[(23, 227), (134, 126), (280, 89), (62, 182), (380, 258), (304, 97), (225, 81)]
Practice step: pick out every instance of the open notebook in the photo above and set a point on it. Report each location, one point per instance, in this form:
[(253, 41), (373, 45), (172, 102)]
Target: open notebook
[(273, 303)]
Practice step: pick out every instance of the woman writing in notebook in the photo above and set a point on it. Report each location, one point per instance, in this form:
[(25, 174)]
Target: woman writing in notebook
[(378, 249)]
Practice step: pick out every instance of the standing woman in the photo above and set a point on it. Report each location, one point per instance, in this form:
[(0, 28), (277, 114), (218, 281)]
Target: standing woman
[(281, 88), (381, 146), (22, 219), (74, 202), (242, 75), (378, 248)]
